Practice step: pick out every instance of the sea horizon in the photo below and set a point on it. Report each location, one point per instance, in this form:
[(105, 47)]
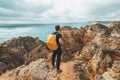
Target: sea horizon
[(40, 30)]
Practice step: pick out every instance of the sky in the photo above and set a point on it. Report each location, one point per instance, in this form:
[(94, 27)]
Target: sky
[(55, 11)]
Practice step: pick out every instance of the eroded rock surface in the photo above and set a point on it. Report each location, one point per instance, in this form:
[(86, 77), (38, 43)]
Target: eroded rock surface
[(89, 53)]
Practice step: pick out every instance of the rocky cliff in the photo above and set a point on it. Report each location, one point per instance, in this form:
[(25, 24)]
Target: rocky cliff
[(89, 53), (40, 70), (22, 50)]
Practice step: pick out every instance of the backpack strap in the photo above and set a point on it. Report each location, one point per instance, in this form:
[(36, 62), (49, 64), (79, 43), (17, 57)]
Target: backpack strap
[(55, 33)]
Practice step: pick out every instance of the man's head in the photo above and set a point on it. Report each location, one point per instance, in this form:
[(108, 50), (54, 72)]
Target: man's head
[(57, 27)]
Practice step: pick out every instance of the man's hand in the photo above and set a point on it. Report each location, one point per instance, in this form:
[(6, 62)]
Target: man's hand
[(60, 40)]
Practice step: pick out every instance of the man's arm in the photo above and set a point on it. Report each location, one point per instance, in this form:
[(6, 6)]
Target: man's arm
[(60, 40)]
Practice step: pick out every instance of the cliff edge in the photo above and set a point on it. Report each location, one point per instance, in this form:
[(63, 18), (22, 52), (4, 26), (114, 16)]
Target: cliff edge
[(89, 53)]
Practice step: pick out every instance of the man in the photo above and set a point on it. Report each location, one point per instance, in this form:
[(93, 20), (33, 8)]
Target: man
[(57, 52)]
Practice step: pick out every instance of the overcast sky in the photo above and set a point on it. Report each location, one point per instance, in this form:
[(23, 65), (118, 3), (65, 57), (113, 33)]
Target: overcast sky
[(47, 11)]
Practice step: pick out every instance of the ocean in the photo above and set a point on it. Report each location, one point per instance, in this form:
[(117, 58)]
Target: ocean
[(9, 31)]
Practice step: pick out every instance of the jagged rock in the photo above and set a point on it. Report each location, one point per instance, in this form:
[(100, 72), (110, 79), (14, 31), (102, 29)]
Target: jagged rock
[(89, 35), (88, 51), (100, 53), (116, 55), (98, 26), (98, 64), (97, 58), (97, 46), (107, 41), (40, 51), (21, 50), (79, 67), (112, 73), (114, 24), (39, 70), (115, 32), (115, 29), (3, 67), (72, 42)]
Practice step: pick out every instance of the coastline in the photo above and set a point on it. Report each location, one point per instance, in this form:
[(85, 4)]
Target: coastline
[(91, 51), (10, 31)]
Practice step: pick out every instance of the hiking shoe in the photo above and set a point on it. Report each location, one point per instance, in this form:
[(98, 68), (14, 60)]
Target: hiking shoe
[(59, 71)]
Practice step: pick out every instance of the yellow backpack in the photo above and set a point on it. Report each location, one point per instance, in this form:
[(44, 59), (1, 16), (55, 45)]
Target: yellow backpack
[(51, 42)]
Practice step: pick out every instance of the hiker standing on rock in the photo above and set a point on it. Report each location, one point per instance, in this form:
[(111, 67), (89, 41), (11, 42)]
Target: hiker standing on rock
[(58, 51)]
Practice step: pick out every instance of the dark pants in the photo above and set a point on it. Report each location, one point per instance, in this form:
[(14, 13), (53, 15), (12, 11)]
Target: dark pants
[(57, 52)]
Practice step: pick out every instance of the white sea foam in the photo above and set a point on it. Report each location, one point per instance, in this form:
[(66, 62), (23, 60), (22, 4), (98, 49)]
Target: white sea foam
[(35, 30), (7, 33)]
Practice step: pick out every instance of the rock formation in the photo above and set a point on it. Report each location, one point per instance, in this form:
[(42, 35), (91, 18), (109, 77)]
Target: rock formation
[(72, 42), (101, 53), (21, 50), (114, 24), (89, 53), (39, 70)]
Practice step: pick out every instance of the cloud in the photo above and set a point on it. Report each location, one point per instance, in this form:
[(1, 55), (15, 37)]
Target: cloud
[(8, 4), (59, 10), (4, 12), (84, 10), (26, 5)]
